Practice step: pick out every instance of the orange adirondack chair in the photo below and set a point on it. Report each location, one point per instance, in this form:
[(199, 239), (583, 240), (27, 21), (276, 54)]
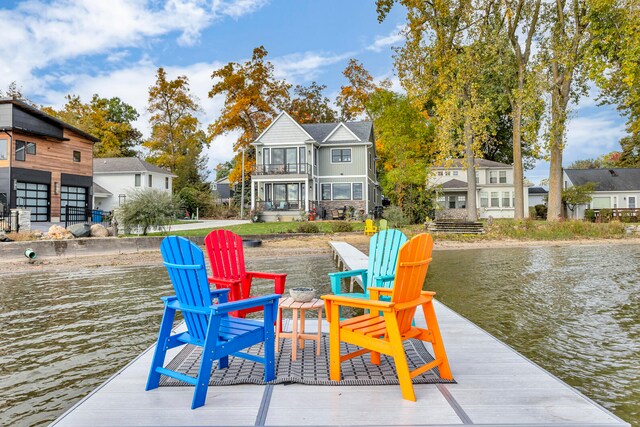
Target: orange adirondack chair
[(387, 324), (226, 256)]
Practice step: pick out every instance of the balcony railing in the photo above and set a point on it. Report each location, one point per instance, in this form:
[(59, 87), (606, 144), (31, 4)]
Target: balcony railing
[(282, 169), (281, 205)]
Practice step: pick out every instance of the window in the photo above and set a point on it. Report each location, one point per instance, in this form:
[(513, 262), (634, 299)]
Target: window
[(495, 199), (76, 156), (150, 180), (601, 202), (484, 200), (477, 177), (266, 159), (31, 148), (20, 149), (370, 161), (493, 177), (357, 191), (506, 199), (503, 177), (326, 191), (166, 183), (3, 149), (138, 180), (341, 192), (455, 173), (439, 173), (122, 198), (341, 155), (452, 202), (447, 173)]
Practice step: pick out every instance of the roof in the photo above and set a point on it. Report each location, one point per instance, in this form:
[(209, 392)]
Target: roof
[(46, 117), (125, 164), (454, 183), (224, 180), (617, 179), (483, 163), (537, 190), (100, 190), (319, 131)]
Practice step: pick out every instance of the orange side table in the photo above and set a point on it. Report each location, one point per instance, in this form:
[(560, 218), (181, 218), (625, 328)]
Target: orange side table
[(298, 334)]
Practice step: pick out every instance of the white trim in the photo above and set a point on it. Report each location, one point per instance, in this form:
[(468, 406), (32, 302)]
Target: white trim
[(341, 176), (276, 119), (341, 163), (291, 180), (336, 128)]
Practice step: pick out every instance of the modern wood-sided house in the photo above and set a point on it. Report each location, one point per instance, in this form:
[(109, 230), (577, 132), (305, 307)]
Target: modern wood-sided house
[(119, 176), (45, 164), (326, 166), (617, 188), (495, 195)]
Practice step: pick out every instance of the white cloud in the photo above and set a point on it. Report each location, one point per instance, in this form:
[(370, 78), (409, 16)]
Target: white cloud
[(303, 67), (392, 38), (60, 30)]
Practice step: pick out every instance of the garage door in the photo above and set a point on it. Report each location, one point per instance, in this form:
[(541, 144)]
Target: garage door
[(76, 199), (34, 197)]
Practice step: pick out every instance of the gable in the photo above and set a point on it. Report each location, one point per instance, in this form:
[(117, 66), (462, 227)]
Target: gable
[(341, 133), (283, 130)]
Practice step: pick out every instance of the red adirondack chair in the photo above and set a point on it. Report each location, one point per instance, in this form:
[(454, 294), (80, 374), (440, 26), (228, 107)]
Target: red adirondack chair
[(227, 266)]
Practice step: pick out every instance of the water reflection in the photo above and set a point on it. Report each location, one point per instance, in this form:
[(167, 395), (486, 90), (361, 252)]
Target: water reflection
[(573, 310)]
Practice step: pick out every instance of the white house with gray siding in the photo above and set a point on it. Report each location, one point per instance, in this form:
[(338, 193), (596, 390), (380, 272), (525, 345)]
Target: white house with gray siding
[(322, 165), (616, 188)]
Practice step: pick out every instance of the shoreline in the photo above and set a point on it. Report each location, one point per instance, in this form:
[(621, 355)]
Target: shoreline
[(284, 247)]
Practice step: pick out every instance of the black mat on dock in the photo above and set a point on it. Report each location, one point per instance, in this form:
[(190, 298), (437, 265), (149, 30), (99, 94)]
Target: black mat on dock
[(308, 369)]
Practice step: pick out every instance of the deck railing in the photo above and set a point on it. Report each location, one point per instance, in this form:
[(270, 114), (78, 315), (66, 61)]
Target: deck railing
[(281, 205), (282, 169)]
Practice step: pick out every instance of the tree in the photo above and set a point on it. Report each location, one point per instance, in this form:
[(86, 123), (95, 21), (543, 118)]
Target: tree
[(404, 143), (310, 105), (223, 169), (448, 65), (630, 156), (110, 120), (176, 140), (149, 208), (353, 99), (564, 50), (522, 16), (577, 195), (13, 91), (253, 98)]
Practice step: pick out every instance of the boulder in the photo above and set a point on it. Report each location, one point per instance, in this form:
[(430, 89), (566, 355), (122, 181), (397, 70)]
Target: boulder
[(98, 230), (59, 233), (80, 230), (112, 231)]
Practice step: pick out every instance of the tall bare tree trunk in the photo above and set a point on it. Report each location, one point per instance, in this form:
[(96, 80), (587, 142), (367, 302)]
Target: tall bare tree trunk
[(518, 173), (472, 209), (558, 111)]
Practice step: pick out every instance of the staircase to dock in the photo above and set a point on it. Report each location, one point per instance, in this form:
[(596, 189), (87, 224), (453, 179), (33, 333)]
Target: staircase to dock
[(456, 227)]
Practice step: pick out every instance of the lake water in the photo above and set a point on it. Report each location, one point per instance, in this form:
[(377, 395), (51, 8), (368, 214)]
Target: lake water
[(573, 310)]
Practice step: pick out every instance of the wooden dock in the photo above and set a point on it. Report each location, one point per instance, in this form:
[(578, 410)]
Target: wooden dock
[(495, 386)]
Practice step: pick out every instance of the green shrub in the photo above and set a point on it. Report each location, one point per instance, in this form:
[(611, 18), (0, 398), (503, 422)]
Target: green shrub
[(308, 227), (590, 215), (532, 212), (606, 215), (395, 217), (541, 211), (341, 227), (149, 208), (197, 200)]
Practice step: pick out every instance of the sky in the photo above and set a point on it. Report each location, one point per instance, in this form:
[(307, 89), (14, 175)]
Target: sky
[(113, 48)]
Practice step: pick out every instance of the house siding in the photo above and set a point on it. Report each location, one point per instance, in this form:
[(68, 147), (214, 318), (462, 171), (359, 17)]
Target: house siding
[(124, 184), (284, 131), (342, 134), (6, 115), (358, 165)]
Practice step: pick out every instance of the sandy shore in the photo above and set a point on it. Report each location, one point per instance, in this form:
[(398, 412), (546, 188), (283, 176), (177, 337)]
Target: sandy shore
[(289, 247)]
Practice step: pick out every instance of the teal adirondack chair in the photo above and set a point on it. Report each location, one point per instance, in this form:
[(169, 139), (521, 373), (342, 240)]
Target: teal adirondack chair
[(383, 255), (208, 324)]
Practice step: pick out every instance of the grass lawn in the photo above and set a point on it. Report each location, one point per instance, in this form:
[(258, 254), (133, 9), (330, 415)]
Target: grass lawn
[(272, 228)]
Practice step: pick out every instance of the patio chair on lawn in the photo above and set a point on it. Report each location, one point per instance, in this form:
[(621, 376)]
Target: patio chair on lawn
[(383, 255), (226, 256), (369, 228), (388, 323), (208, 324), (383, 225)]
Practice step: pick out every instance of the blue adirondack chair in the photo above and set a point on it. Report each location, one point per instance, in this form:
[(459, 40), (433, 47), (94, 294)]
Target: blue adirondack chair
[(208, 324), (383, 255)]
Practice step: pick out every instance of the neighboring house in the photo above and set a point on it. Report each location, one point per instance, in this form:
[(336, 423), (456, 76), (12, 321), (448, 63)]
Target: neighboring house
[(326, 166), (538, 196), (495, 194), (119, 176), (617, 188), (45, 164), (224, 190)]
